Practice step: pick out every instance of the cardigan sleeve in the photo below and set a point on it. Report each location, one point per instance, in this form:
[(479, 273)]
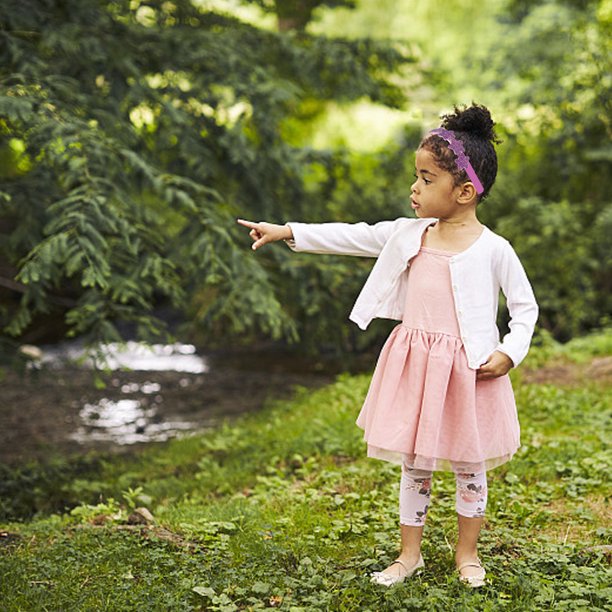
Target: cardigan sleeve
[(521, 303), (358, 239)]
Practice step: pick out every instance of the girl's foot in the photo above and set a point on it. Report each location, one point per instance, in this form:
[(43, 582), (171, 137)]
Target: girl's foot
[(471, 572), (398, 571)]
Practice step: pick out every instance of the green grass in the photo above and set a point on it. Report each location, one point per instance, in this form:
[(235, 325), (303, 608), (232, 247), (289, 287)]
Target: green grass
[(545, 350), (283, 510)]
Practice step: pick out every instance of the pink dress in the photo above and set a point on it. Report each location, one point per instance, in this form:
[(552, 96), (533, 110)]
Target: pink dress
[(425, 406)]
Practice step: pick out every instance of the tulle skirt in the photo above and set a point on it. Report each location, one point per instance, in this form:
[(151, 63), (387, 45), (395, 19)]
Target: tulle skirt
[(426, 408)]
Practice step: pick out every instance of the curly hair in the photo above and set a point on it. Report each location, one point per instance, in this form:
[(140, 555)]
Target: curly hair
[(474, 126)]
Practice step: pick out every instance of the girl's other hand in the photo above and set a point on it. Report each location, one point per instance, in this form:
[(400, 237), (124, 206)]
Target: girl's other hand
[(497, 365), (263, 232)]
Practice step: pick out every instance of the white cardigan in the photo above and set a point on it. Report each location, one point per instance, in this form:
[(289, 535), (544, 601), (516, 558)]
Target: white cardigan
[(477, 275)]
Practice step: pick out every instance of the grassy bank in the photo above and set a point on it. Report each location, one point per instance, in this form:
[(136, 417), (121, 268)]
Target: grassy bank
[(282, 510)]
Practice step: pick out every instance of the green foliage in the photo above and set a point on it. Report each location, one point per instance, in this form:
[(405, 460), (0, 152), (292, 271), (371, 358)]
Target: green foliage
[(562, 263), (543, 69), (133, 134), (552, 69), (109, 509), (545, 350), (43, 488)]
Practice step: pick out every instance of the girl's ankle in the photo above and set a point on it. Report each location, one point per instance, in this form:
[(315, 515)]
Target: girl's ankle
[(466, 555), (410, 555)]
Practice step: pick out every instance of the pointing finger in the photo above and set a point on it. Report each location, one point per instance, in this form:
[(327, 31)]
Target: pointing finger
[(249, 224)]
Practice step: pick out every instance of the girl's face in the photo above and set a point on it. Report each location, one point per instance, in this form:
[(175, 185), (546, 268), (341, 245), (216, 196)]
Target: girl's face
[(434, 193)]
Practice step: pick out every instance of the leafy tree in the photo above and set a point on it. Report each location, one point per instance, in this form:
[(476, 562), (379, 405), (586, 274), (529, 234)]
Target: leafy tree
[(553, 201), (133, 133), (543, 69)]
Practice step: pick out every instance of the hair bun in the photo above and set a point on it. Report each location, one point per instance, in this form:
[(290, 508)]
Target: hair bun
[(475, 119)]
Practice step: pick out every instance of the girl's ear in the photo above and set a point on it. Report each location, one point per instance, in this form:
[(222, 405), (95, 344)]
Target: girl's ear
[(467, 193)]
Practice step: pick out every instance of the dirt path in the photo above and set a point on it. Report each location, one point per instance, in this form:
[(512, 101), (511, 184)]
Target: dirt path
[(598, 370)]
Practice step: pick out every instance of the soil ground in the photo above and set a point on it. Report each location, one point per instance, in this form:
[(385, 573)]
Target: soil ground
[(598, 369)]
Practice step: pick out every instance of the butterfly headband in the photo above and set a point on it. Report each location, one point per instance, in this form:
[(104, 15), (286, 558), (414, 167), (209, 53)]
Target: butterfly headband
[(463, 161)]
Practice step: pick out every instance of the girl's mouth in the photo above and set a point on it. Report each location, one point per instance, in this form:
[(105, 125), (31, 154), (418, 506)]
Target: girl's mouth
[(414, 204)]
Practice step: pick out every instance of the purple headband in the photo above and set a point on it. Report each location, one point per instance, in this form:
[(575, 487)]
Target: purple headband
[(463, 161)]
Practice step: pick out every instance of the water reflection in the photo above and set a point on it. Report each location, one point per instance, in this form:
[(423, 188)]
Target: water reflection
[(125, 421), (131, 355), (156, 357), (147, 388), (129, 421), (57, 407)]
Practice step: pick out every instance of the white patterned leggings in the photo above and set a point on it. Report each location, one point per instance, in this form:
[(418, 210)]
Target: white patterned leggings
[(415, 491)]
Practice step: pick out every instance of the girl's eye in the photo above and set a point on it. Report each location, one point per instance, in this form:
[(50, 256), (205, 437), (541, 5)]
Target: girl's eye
[(425, 180)]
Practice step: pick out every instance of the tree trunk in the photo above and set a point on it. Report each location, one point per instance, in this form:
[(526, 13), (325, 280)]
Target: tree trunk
[(294, 14)]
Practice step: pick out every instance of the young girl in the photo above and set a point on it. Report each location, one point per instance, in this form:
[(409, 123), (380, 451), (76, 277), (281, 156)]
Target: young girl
[(440, 396)]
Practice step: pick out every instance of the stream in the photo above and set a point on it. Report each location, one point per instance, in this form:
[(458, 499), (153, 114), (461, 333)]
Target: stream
[(148, 394)]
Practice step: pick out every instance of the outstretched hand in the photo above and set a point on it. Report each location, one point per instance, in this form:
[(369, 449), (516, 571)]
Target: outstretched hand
[(497, 365), (263, 232)]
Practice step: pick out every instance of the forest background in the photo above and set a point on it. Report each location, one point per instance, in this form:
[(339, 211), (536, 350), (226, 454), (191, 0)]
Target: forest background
[(133, 133)]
